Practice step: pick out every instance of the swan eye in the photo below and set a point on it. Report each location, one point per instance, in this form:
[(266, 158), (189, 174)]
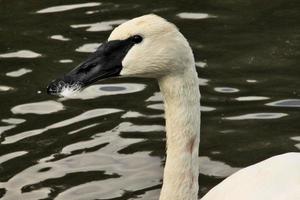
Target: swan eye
[(137, 39)]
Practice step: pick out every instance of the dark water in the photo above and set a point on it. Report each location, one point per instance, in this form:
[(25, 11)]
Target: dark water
[(109, 143)]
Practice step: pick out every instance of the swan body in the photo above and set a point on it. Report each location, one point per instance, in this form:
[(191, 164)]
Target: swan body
[(150, 46), (277, 178)]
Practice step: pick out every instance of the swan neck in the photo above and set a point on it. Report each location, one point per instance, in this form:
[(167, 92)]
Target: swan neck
[(182, 112)]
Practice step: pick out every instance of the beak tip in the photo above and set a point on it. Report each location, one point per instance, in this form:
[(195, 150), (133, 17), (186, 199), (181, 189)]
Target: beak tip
[(56, 87), (52, 88)]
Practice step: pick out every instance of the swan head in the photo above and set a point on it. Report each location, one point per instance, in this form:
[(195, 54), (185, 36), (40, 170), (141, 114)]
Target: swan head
[(147, 46)]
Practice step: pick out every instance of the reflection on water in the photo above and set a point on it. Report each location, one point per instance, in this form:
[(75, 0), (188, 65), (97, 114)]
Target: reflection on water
[(203, 81), (215, 168), (207, 109), (186, 15), (83, 128), (67, 7), (258, 116), (108, 141), (19, 72), (20, 54), (131, 114), (100, 26), (156, 97), (43, 107), (84, 116), (7, 157), (59, 37), (286, 103), (91, 12), (226, 89), (141, 166), (297, 138), (88, 48), (157, 106), (13, 120), (201, 64), (251, 98), (251, 81), (5, 128), (5, 88), (66, 61)]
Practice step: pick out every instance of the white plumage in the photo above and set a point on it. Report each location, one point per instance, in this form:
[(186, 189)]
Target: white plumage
[(277, 178)]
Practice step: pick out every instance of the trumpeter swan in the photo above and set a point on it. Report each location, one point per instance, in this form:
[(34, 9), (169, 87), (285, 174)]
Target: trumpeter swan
[(150, 46)]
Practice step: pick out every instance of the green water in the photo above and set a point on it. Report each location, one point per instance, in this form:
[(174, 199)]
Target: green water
[(110, 144)]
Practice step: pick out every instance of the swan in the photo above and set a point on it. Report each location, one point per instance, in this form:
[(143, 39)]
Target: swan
[(150, 46)]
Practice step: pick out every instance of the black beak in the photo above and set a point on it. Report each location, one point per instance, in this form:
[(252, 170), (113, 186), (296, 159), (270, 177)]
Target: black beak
[(105, 62)]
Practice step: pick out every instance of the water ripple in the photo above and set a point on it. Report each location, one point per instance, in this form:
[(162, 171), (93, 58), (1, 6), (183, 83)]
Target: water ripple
[(286, 103), (132, 114), (91, 12), (112, 136), (83, 128), (10, 156), (65, 61), (157, 106), (84, 116), (137, 171), (133, 171), (21, 54), (88, 48), (149, 195), (215, 168), (4, 88), (251, 81), (42, 107), (251, 98), (13, 120), (100, 26), (203, 81), (187, 15), (258, 116), (6, 128), (19, 72), (156, 97), (201, 64), (62, 8), (226, 89), (207, 109), (296, 138), (59, 37)]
